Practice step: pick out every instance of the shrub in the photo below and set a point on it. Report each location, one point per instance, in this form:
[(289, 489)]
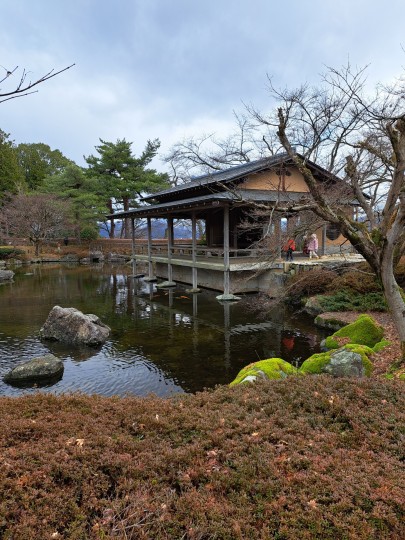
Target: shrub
[(89, 233), (355, 281), (313, 458), (9, 252), (346, 300), (308, 283)]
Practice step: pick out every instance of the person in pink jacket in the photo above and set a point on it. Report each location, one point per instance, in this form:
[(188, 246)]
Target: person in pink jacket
[(313, 246)]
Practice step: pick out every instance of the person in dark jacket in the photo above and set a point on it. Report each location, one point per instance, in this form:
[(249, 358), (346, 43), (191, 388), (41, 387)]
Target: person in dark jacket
[(289, 249)]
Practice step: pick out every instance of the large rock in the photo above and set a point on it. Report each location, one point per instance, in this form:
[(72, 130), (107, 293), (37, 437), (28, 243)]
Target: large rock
[(323, 320), (272, 368), (350, 361), (46, 367), (69, 325), (6, 275), (312, 306), (363, 331)]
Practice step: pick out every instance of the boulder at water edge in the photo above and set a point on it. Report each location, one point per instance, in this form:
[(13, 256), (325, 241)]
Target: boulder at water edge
[(350, 361), (6, 275), (38, 369), (272, 368), (69, 325)]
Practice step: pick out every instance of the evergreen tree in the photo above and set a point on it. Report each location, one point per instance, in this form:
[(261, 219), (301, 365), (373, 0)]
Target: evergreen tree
[(11, 176), (124, 178), (38, 161), (87, 205)]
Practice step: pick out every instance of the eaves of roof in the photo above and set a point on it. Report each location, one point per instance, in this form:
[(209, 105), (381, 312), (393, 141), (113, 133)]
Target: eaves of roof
[(231, 174), (243, 198)]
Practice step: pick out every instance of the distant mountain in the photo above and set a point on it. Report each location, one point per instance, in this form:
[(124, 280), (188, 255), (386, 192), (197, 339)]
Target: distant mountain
[(159, 227)]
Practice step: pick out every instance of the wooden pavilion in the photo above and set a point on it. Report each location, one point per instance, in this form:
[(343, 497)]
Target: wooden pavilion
[(227, 261)]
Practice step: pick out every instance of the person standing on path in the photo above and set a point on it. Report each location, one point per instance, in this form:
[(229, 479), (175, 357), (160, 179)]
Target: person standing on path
[(313, 246), (289, 248)]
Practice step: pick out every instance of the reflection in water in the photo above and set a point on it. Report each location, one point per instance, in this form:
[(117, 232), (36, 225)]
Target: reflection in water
[(162, 341)]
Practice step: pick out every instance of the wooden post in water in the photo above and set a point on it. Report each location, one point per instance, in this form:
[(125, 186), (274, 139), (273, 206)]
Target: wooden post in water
[(169, 248), (194, 252), (226, 251), (133, 247), (227, 268), (150, 277)]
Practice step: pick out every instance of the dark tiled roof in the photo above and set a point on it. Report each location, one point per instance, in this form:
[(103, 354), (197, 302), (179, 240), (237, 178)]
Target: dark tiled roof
[(231, 174), (249, 195)]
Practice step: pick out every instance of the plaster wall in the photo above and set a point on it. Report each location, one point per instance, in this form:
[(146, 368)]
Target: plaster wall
[(270, 180)]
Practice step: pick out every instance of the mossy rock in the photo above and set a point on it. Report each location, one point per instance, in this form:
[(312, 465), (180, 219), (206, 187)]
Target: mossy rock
[(331, 362), (381, 345), (272, 368), (363, 331), (329, 323)]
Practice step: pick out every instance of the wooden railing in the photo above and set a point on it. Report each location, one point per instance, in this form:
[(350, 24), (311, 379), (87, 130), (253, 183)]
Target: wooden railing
[(187, 250)]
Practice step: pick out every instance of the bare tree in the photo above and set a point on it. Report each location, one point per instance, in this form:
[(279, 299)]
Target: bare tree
[(361, 137), (23, 85), (37, 217), (209, 153)]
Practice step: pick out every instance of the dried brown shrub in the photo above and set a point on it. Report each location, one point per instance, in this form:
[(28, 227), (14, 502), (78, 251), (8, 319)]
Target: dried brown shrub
[(311, 458), (309, 283), (355, 280)]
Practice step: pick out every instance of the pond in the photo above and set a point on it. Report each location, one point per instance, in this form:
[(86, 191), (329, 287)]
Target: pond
[(162, 341)]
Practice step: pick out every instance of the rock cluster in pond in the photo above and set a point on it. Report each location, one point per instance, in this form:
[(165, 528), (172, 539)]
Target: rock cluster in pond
[(6, 275), (39, 369), (71, 326), (348, 354)]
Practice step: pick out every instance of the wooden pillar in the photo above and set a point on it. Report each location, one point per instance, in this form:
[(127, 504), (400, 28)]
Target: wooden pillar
[(150, 267), (133, 247), (323, 245), (226, 251), (169, 248), (227, 267), (194, 250), (278, 234)]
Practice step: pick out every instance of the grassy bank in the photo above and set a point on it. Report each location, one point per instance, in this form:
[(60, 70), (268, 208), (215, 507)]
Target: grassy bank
[(308, 458)]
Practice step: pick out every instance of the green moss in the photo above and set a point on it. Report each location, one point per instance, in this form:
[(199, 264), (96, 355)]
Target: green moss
[(272, 368), (361, 349), (381, 345), (363, 331), (315, 363)]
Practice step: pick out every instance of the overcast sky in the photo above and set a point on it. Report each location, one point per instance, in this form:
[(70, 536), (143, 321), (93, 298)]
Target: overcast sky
[(168, 69)]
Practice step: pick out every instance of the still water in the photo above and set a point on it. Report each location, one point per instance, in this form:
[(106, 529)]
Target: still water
[(163, 342)]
